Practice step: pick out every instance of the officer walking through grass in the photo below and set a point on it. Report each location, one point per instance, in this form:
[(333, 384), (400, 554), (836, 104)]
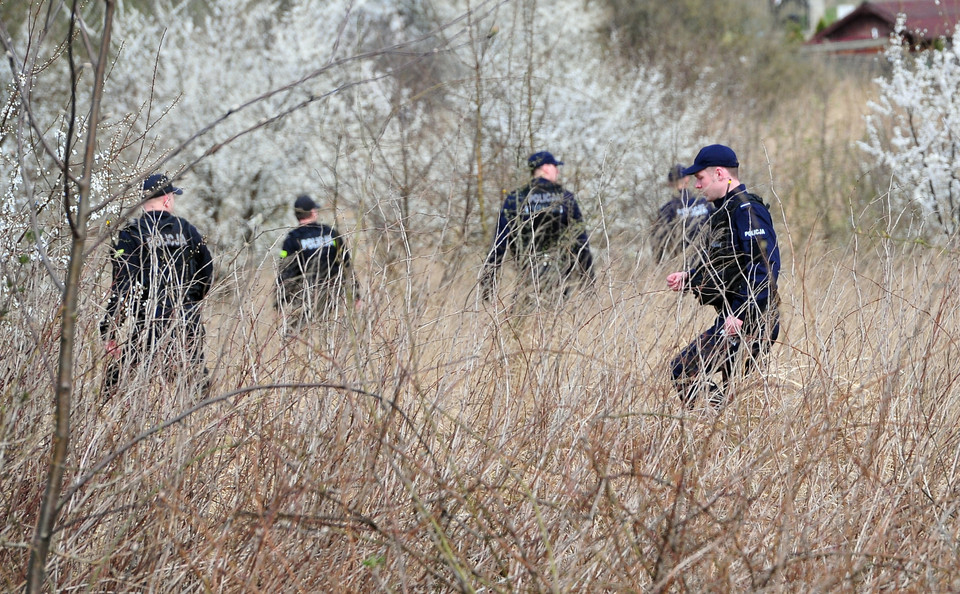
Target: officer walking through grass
[(162, 270), (736, 267), (542, 227), (315, 276)]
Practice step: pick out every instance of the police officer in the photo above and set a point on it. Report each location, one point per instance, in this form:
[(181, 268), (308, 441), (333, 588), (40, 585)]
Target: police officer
[(542, 226), (679, 219), (315, 272), (736, 270), (162, 270)]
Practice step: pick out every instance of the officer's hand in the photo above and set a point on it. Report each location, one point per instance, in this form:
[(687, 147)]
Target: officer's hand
[(676, 280), (732, 325), (112, 349)]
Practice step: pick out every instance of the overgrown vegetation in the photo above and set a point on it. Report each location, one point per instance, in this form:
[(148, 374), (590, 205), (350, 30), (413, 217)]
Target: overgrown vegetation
[(790, 116), (430, 442)]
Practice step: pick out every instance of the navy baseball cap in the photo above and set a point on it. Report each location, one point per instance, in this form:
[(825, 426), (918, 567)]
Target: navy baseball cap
[(158, 185), (304, 203), (542, 158), (715, 155), (676, 173)]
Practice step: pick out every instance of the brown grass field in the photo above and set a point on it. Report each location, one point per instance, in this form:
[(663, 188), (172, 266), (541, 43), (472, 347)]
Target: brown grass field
[(435, 443)]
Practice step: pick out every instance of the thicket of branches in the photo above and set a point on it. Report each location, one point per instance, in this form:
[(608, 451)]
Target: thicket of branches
[(430, 442)]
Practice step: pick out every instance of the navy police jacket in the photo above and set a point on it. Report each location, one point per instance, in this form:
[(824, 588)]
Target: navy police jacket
[(679, 221), (315, 251), (160, 264), (537, 219), (738, 259)]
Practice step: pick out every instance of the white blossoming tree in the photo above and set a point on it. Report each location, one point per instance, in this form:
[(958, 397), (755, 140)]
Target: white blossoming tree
[(386, 136), (408, 120), (913, 134)]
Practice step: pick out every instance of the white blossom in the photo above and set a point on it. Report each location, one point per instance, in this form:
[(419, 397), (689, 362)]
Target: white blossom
[(913, 131), (298, 100)]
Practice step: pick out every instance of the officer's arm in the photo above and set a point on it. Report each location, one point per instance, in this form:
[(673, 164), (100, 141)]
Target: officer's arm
[(583, 239), (755, 239), (501, 238), (288, 258), (204, 261), (582, 242), (126, 264)]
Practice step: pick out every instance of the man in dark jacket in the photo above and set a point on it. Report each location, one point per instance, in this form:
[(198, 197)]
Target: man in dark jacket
[(679, 219), (542, 227), (315, 273), (736, 270), (162, 270)]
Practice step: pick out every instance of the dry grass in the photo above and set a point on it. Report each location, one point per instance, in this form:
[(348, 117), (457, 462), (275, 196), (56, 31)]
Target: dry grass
[(439, 444)]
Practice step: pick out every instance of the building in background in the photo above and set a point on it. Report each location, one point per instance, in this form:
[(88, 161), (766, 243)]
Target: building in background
[(866, 28)]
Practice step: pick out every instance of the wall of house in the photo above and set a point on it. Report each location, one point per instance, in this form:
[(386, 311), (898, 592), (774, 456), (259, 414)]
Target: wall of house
[(868, 27)]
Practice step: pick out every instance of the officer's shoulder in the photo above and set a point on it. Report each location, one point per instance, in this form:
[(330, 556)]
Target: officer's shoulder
[(751, 203), (135, 228), (751, 198), (512, 197)]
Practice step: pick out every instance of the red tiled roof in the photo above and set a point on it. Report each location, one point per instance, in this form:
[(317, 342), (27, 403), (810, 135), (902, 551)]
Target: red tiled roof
[(926, 20)]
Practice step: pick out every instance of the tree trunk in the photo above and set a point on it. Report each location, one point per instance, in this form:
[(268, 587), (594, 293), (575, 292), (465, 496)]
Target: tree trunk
[(49, 508)]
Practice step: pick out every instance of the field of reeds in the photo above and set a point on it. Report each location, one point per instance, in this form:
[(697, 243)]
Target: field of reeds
[(431, 441)]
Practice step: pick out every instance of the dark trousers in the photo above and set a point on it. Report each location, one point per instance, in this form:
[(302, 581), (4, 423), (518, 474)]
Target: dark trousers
[(303, 304), (713, 352), (171, 347), (547, 280)]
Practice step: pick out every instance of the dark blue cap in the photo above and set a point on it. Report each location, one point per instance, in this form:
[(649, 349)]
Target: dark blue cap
[(304, 203), (715, 155), (158, 185), (542, 158), (676, 173)]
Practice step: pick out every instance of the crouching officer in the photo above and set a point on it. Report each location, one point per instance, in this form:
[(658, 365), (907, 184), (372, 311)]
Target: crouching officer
[(315, 275), (736, 267), (162, 270), (542, 227)]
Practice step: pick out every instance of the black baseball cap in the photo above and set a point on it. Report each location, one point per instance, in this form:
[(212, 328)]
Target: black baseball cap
[(542, 158), (676, 173), (158, 185), (714, 155), (304, 203)]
